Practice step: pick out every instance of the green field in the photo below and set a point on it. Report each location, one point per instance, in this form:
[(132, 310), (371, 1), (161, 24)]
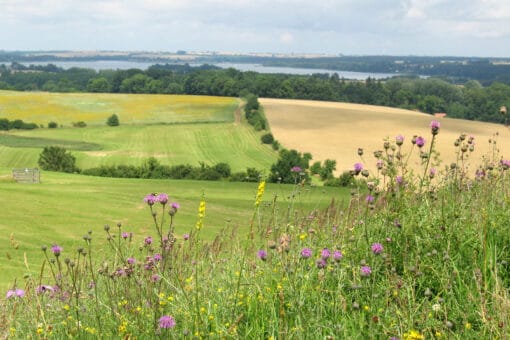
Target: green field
[(63, 207), (173, 129)]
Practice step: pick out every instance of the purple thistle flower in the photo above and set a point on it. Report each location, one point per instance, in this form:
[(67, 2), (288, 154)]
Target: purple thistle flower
[(185, 237), (399, 180), (505, 164), (325, 254), (399, 140), (321, 263), (357, 168), (370, 199), (131, 260), (56, 250), (296, 169), (432, 172), (15, 293), (157, 257), (365, 271), (420, 141), (125, 235), (162, 198), (43, 288), (155, 278), (434, 126), (166, 321), (175, 205), (148, 240), (377, 248), (306, 253), (150, 199), (337, 255), (262, 254), (379, 164)]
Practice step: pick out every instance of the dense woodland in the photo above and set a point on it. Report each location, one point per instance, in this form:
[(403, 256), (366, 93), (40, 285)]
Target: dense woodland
[(470, 100)]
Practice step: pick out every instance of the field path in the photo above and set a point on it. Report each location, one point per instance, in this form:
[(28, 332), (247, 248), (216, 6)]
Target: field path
[(331, 130)]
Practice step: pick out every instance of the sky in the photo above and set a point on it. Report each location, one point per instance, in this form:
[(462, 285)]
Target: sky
[(479, 28)]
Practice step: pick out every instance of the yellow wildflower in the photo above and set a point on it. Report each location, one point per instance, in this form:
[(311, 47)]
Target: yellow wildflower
[(413, 335), (260, 192), (201, 214)]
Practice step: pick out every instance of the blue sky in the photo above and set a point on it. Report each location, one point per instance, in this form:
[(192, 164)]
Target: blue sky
[(350, 27)]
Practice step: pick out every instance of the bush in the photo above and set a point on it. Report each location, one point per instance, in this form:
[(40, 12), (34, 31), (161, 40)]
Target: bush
[(275, 145), (55, 158), (80, 124), (290, 167), (113, 120), (267, 138), (52, 125)]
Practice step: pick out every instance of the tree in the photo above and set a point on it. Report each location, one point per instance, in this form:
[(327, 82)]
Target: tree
[(289, 168), (55, 158), (113, 120), (326, 171)]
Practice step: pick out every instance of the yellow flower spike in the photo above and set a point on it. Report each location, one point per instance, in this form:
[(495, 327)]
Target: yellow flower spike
[(260, 192), (201, 215)]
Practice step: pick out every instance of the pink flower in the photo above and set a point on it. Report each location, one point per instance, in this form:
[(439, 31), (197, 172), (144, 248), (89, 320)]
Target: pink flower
[(56, 250), (166, 321), (377, 248), (357, 168), (420, 141), (365, 271), (162, 198), (434, 126), (337, 255), (296, 169), (399, 140), (150, 199)]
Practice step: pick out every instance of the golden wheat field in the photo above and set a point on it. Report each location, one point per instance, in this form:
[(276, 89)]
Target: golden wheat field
[(330, 130)]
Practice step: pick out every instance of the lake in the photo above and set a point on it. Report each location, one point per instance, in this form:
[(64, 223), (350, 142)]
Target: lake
[(124, 65)]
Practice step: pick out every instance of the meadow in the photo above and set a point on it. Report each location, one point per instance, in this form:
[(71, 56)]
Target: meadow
[(173, 129), (415, 249)]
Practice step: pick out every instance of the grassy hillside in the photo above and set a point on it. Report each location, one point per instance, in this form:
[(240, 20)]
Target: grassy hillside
[(337, 130), (63, 207), (173, 129)]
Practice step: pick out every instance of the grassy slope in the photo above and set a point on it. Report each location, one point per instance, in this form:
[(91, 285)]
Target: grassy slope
[(174, 129), (336, 130), (64, 207)]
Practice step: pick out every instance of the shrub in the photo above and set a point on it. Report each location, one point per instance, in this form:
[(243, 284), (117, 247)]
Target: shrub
[(290, 167), (113, 120), (275, 145), (52, 125), (80, 124), (267, 138), (55, 158)]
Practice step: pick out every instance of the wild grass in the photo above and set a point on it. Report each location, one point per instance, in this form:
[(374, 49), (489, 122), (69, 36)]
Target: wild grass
[(416, 254), (63, 207)]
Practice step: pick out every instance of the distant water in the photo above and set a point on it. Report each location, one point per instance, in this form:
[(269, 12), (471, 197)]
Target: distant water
[(124, 65)]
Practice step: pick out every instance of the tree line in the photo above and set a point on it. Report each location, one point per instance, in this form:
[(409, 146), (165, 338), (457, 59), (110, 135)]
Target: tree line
[(469, 100)]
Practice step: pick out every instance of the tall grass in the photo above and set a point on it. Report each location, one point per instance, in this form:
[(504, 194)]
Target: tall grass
[(415, 255)]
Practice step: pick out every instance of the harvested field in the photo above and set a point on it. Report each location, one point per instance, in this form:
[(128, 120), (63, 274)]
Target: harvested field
[(331, 130)]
